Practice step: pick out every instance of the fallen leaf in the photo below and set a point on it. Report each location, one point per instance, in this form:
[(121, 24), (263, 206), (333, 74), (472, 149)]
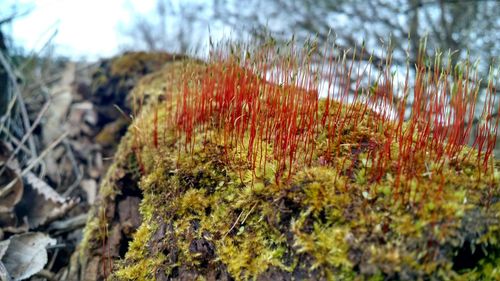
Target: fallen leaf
[(25, 254), (90, 188), (43, 188), (41, 204), (59, 107), (12, 196)]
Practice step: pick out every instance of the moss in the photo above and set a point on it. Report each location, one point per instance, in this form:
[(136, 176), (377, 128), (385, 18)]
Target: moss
[(99, 217), (140, 62), (203, 213), (141, 264), (91, 228), (326, 243), (111, 133)]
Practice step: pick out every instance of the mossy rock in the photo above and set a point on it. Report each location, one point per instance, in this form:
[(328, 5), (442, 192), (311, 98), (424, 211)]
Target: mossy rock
[(206, 218), (111, 84), (115, 78)]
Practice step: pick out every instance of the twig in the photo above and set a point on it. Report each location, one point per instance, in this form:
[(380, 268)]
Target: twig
[(16, 14), (238, 218), (46, 274), (128, 117), (76, 170), (56, 77), (14, 140), (33, 53), (20, 100), (4, 118), (32, 163), (25, 137), (69, 224), (52, 259), (57, 246), (249, 212), (234, 225)]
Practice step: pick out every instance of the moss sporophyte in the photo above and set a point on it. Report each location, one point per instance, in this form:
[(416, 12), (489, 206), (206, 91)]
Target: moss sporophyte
[(247, 171)]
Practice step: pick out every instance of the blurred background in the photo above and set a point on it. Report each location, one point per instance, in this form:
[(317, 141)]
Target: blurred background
[(92, 29)]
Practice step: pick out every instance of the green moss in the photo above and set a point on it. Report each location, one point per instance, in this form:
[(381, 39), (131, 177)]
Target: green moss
[(326, 243), (142, 263), (125, 162), (324, 221), (140, 62), (99, 218)]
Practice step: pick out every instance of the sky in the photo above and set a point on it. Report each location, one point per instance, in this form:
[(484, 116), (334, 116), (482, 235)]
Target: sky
[(85, 29)]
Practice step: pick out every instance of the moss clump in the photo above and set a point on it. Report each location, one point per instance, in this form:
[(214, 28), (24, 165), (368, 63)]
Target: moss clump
[(116, 77), (208, 215)]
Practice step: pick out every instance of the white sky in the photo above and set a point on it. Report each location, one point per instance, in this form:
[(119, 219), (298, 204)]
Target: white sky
[(86, 29)]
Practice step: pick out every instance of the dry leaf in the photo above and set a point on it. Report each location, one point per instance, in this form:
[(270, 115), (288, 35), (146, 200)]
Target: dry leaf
[(4, 275), (14, 194), (41, 204), (26, 254), (59, 107), (10, 198), (90, 187), (43, 188)]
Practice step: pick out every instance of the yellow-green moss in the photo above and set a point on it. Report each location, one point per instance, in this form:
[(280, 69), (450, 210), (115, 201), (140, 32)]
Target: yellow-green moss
[(93, 233), (134, 62), (320, 221), (142, 265)]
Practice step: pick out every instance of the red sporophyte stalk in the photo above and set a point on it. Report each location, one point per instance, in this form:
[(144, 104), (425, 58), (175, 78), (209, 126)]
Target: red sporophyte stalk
[(264, 108), (155, 128)]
